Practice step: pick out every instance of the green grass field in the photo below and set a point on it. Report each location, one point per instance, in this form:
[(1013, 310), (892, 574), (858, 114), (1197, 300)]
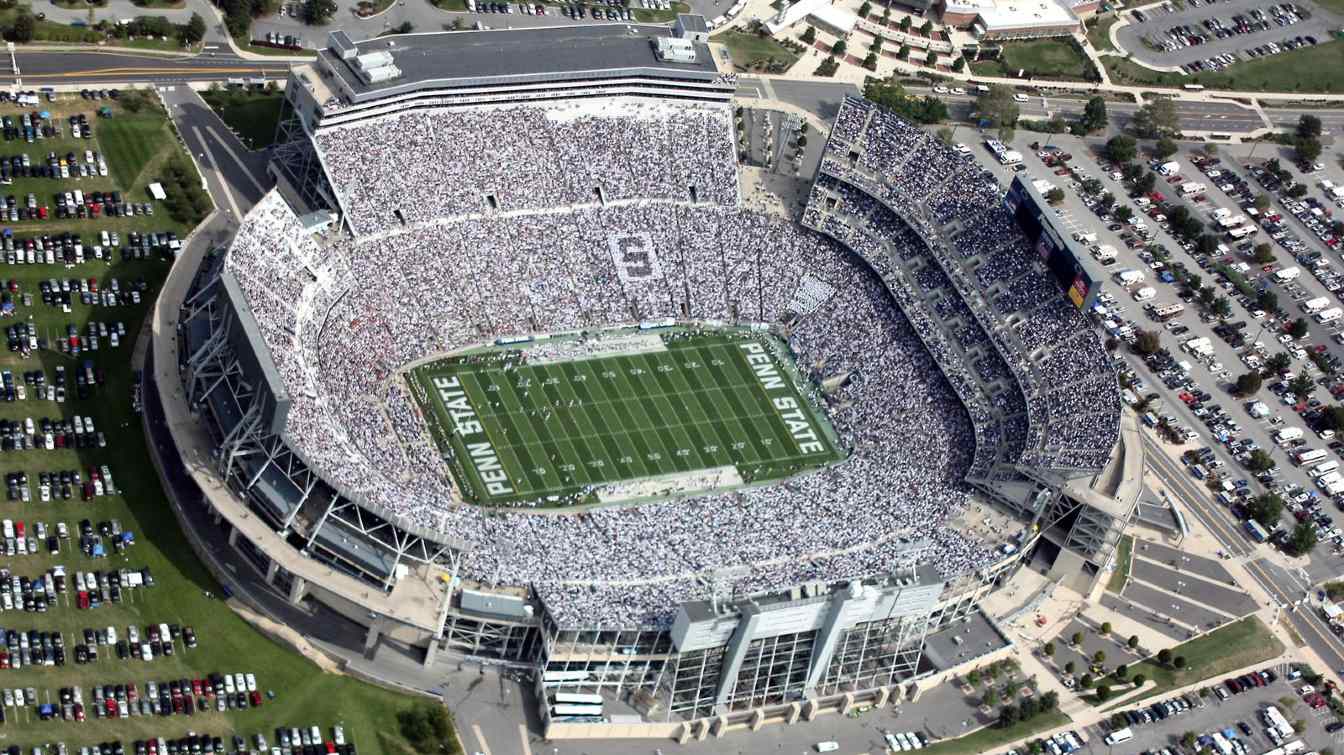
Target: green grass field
[(253, 116), (990, 738), (558, 427), (1049, 58), (1099, 32), (185, 592), (1236, 645), (1124, 556), (1292, 71), (751, 51), (131, 144)]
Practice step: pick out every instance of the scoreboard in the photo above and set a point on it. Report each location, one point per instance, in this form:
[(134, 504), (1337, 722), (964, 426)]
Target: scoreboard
[(1067, 260)]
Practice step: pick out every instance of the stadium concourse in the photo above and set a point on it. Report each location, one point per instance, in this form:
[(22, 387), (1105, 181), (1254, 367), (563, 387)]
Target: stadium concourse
[(620, 213)]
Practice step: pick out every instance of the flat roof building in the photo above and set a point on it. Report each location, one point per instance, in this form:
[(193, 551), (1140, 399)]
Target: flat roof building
[(1012, 19)]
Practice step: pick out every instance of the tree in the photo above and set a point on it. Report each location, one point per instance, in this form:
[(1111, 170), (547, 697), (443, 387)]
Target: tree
[(1178, 662), (428, 727), (1157, 118), (990, 698), (1207, 295), (838, 49), (959, 65), (1049, 649), (1302, 541), (1008, 716), (1206, 244), (1301, 386), (1105, 628), (1147, 342), (1121, 671), (1262, 201), (808, 36), (1055, 195), (1249, 383), (1164, 148), (1099, 657), (24, 27), (1087, 681), (870, 61), (1094, 114), (1266, 509), (318, 12), (1103, 693), (1076, 639), (1139, 679), (1277, 362), (1260, 461), (1267, 300), (1164, 656), (194, 31), (865, 9), (997, 107), (1299, 328), (1188, 740), (1070, 667), (1297, 191), (1121, 148), (1333, 417), (973, 678), (1147, 182), (1309, 126), (1221, 306), (1308, 149), (893, 96), (1049, 701), (904, 25), (926, 29), (1123, 213), (1133, 642), (903, 52)]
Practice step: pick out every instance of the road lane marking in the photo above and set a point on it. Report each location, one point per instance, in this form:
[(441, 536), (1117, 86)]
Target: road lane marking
[(207, 156), (241, 165), (522, 736), (480, 739)]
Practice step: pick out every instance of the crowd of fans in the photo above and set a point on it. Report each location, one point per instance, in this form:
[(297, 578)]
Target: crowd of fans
[(1006, 314), (504, 158), (531, 238)]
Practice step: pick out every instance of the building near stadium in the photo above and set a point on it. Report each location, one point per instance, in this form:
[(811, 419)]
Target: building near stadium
[(1003, 20), (408, 417)]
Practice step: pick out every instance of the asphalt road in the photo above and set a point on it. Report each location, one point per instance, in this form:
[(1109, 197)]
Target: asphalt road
[(37, 68)]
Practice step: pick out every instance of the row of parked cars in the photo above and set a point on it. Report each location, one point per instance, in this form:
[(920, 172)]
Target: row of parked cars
[(296, 742)]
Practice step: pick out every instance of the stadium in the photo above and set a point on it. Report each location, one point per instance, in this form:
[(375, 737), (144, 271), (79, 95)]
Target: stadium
[(505, 368)]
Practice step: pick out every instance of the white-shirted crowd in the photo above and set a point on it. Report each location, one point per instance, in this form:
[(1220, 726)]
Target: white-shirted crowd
[(343, 320), (886, 176)]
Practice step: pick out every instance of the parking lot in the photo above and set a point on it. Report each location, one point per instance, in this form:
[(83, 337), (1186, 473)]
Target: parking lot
[(1239, 718), (1213, 35)]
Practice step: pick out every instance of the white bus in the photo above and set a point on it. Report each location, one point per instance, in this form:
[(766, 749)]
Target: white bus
[(1310, 456), (1324, 468), (576, 712), (1326, 316), (1312, 306), (582, 698), (1241, 231), (1116, 737)]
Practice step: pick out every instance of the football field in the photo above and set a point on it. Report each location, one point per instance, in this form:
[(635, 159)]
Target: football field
[(520, 425)]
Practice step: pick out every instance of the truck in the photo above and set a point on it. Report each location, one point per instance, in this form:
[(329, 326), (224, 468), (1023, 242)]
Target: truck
[(1327, 316), (1191, 188), (1128, 278), (1164, 312), (1241, 231), (1105, 254), (1145, 293), (1169, 168), (1310, 456), (1287, 274), (1324, 468), (1312, 306), (1119, 736), (1200, 347), (1287, 434)]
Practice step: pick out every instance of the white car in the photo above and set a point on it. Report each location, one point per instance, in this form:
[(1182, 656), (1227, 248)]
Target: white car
[(940, 90), (251, 683)]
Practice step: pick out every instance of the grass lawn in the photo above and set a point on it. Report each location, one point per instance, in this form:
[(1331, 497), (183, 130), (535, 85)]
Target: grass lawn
[(159, 3), (1237, 645), (131, 142), (1292, 71), (185, 593), (1099, 32), (253, 116), (457, 5), (1048, 58), (1124, 556), (990, 738), (1336, 6), (649, 16), (752, 50)]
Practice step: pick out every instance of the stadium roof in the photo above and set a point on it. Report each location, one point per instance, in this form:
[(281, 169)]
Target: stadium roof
[(498, 56)]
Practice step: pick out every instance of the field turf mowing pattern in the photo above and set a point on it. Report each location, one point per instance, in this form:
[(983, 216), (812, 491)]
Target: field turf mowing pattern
[(696, 406)]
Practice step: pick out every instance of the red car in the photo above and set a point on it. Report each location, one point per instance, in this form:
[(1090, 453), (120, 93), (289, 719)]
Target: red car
[(255, 698)]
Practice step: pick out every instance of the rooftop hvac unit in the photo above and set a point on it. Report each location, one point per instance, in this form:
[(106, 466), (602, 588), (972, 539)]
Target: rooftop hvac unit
[(673, 50), (372, 60), (381, 74)]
